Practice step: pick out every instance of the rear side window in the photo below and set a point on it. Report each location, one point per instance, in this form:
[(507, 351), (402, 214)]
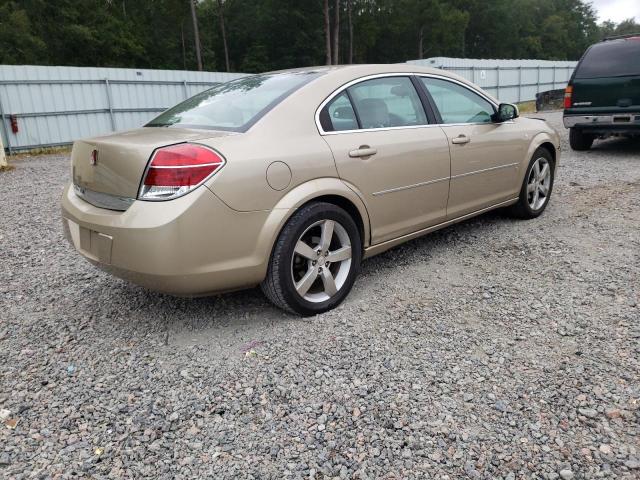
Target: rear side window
[(377, 103), (341, 115), (614, 58), (387, 102), (234, 105)]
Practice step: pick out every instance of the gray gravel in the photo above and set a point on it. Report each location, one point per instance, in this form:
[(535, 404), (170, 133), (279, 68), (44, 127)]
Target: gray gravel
[(492, 349)]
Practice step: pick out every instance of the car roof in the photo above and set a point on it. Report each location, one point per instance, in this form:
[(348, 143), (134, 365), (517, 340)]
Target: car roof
[(340, 74), (366, 69)]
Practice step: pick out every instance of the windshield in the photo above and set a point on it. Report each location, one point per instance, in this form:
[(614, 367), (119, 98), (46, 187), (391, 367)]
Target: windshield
[(615, 58), (235, 105)]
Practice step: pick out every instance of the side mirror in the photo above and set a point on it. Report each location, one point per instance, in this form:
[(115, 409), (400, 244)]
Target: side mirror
[(506, 112)]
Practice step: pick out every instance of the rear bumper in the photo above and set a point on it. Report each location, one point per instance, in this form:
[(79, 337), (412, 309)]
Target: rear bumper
[(193, 245), (618, 121)]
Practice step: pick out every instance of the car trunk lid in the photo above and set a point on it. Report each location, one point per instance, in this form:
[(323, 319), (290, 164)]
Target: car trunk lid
[(114, 164)]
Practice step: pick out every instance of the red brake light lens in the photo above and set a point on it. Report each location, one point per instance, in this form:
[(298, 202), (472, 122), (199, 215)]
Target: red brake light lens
[(568, 93), (178, 169)]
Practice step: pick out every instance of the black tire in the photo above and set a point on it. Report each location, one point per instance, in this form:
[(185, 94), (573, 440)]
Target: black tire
[(579, 140), (279, 286), (522, 209)]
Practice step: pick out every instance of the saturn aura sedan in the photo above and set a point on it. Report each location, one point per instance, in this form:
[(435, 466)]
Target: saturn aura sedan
[(290, 179)]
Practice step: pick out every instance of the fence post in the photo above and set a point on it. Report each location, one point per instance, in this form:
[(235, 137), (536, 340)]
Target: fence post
[(110, 104), (538, 81), (6, 134), (498, 82), (184, 86), (520, 84), (554, 77), (3, 159)]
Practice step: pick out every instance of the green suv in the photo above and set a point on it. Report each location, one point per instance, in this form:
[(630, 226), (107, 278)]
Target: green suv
[(603, 95)]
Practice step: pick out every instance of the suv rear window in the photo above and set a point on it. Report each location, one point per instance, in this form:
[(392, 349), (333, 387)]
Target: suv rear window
[(236, 105), (613, 58)]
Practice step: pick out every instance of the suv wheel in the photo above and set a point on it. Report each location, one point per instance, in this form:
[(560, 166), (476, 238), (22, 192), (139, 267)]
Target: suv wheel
[(315, 260), (579, 140)]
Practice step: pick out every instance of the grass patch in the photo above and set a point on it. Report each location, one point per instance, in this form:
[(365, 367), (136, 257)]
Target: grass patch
[(527, 107), (64, 149)]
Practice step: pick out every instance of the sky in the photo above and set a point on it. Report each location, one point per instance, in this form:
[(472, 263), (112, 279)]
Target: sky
[(617, 10)]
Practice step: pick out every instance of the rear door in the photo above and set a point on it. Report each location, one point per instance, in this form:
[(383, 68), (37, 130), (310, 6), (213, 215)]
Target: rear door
[(383, 145), (484, 155), (607, 79)]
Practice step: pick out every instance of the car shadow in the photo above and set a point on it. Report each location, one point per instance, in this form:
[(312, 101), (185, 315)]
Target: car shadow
[(617, 144), (248, 310)]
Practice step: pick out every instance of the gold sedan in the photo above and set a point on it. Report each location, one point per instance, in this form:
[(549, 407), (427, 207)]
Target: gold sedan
[(290, 179)]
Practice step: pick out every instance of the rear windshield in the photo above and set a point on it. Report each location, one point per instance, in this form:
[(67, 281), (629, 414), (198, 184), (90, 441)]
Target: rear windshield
[(614, 58), (236, 105)]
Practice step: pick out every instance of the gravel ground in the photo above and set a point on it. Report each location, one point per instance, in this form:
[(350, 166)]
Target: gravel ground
[(491, 349)]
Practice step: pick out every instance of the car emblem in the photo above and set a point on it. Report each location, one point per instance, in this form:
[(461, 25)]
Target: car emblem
[(94, 157)]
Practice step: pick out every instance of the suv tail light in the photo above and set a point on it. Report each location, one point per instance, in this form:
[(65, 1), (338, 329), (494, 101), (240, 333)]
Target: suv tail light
[(176, 170), (568, 92)]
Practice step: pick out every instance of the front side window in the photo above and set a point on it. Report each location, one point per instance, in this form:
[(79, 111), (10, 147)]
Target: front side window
[(387, 102), (456, 103), (234, 105)]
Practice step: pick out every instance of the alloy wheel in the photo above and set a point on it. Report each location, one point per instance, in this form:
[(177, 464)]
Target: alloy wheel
[(539, 183), (321, 261)]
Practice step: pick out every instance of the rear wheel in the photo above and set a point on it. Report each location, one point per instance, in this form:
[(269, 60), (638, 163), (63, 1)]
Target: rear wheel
[(579, 140), (536, 187), (315, 260)]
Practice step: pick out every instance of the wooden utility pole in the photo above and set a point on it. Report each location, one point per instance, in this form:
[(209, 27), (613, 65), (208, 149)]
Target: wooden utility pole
[(327, 32), (349, 8), (336, 32), (184, 51), (196, 33), (224, 35)]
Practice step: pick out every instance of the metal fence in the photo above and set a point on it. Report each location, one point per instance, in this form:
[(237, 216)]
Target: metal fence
[(51, 106), (508, 80)]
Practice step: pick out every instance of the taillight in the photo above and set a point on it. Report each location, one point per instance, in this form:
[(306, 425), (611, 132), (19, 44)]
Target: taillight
[(176, 170), (568, 92)]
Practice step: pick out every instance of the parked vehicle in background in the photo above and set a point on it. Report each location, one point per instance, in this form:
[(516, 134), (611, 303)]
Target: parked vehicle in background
[(290, 179), (603, 95)]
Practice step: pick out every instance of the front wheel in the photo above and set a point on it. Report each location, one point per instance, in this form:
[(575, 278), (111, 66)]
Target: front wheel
[(315, 260), (537, 186)]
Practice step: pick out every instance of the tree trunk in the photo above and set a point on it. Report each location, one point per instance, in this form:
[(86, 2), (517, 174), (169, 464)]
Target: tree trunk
[(336, 33), (184, 51), (196, 33), (224, 35), (420, 40), (327, 32), (349, 6)]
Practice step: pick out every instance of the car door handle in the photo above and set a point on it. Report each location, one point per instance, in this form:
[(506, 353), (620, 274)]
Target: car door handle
[(363, 151), (461, 139)]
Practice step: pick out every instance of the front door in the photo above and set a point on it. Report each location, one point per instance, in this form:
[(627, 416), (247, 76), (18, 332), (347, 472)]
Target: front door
[(384, 147), (484, 155)]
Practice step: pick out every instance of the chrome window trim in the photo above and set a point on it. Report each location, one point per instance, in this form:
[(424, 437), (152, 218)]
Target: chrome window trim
[(103, 200), (344, 87)]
